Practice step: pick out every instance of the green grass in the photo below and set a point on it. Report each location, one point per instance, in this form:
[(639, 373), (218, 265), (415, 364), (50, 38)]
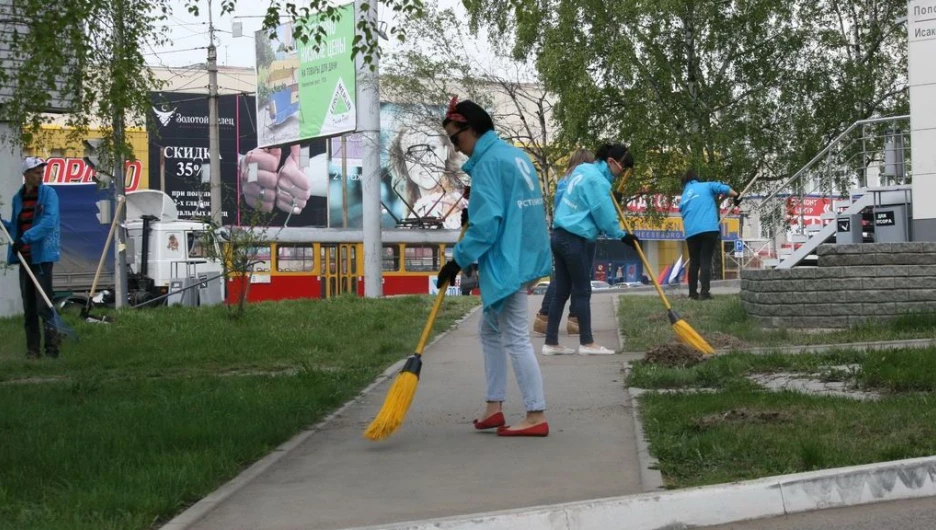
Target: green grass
[(894, 371), (151, 413), (780, 433), (730, 370), (644, 325)]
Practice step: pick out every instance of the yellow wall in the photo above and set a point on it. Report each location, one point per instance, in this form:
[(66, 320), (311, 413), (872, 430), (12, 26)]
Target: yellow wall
[(53, 142)]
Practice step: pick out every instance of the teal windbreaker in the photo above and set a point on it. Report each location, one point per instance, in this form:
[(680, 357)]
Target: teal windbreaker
[(585, 208), (699, 208), (507, 234)]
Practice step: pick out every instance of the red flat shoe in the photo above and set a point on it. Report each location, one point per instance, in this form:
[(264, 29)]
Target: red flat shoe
[(494, 420), (540, 429)]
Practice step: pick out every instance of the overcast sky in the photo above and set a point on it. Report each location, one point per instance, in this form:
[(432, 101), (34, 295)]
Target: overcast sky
[(189, 33)]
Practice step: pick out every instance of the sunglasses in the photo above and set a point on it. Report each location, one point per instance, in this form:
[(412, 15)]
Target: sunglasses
[(454, 137)]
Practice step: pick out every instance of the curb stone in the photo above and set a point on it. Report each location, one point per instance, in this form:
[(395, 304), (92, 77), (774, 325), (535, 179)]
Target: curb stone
[(821, 348), (651, 478), (204, 506), (711, 505)]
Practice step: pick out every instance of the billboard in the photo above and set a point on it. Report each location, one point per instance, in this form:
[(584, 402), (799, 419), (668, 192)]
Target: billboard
[(420, 175), (179, 147), (304, 93)]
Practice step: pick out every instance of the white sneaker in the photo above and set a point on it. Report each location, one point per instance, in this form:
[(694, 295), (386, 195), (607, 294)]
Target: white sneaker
[(556, 350), (595, 350)]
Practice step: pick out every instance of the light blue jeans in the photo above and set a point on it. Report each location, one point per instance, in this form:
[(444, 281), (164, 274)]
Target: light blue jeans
[(506, 333)]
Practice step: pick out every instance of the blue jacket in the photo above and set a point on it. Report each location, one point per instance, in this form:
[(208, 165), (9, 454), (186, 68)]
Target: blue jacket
[(699, 207), (45, 237), (506, 233), (584, 208)]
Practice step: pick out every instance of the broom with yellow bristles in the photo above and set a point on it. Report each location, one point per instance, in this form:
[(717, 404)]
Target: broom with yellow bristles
[(684, 331), (400, 396)]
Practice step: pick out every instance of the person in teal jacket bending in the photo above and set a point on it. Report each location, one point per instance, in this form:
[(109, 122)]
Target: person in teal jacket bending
[(699, 209), (584, 210), (508, 238)]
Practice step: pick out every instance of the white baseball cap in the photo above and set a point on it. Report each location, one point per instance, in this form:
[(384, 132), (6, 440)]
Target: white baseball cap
[(33, 162)]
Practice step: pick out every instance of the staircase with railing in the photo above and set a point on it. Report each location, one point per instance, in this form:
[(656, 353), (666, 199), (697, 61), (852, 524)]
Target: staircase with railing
[(848, 176)]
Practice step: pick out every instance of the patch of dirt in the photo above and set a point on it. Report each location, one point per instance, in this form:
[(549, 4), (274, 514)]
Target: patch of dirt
[(723, 341), (743, 416), (674, 355), (658, 317)]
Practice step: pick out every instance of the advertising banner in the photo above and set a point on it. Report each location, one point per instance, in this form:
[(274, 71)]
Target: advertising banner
[(304, 93), (420, 176), (179, 148)]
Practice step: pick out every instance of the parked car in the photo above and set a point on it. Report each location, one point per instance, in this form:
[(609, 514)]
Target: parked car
[(539, 288), (598, 285)]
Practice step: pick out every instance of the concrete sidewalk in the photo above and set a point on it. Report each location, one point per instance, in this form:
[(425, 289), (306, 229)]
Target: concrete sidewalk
[(437, 465)]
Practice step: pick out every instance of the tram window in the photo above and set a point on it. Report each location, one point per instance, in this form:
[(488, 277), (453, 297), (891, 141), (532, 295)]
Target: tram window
[(390, 260), (295, 258), (260, 256), (421, 259)]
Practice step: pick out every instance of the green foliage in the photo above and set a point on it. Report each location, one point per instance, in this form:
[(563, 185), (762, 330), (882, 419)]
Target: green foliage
[(734, 89), (76, 53)]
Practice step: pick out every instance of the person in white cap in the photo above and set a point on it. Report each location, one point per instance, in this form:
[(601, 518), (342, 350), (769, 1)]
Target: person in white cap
[(36, 235)]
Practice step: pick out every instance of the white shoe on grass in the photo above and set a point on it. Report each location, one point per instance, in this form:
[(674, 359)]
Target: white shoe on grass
[(556, 350)]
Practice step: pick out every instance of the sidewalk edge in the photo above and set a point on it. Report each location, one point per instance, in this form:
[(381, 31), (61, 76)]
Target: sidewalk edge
[(651, 479), (711, 505), (206, 505)]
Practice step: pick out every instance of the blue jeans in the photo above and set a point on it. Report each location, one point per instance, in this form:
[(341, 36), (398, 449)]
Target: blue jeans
[(590, 249), (572, 279), (506, 333)]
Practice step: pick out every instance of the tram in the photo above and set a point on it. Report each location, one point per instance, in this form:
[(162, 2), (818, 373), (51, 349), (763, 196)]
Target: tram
[(301, 263)]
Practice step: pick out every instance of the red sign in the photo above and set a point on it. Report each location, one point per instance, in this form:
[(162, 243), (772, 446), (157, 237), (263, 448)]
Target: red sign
[(76, 171), (811, 209)]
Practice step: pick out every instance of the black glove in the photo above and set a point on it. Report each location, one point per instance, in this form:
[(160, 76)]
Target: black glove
[(448, 273), (737, 201), (618, 196), (464, 216), (18, 245), (630, 240)]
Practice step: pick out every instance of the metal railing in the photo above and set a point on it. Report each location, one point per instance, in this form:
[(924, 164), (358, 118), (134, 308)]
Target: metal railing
[(872, 152)]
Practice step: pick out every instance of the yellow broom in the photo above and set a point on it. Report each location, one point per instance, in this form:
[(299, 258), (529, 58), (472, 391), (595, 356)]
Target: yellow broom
[(684, 331), (400, 396)]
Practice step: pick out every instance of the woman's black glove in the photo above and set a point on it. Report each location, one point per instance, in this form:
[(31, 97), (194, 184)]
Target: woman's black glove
[(464, 216), (630, 240), (737, 201), (448, 274)]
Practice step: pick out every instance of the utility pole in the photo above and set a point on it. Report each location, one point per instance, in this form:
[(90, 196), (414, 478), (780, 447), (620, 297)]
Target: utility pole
[(120, 248), (368, 124), (214, 148)]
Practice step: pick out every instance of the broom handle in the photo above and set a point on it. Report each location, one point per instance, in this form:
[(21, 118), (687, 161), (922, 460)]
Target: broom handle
[(427, 330), (110, 237), (641, 254), (28, 270)]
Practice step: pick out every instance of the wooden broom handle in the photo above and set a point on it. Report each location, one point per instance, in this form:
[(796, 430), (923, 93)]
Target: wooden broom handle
[(427, 330)]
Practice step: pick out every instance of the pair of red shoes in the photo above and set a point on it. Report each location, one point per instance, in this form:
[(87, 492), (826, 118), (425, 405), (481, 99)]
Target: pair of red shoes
[(497, 420)]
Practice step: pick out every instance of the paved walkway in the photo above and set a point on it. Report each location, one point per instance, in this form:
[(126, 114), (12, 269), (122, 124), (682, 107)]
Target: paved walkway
[(437, 465)]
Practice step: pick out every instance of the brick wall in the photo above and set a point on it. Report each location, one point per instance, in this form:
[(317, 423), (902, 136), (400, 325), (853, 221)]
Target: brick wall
[(852, 284)]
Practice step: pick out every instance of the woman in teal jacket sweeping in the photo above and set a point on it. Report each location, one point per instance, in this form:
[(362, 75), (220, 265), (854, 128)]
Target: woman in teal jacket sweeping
[(507, 237), (584, 210)]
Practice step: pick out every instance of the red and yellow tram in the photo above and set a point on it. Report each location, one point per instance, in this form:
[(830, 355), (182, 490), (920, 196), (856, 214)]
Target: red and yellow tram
[(321, 263)]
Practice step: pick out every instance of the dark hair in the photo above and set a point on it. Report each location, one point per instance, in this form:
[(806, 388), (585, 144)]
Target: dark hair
[(688, 177), (476, 117), (618, 152)]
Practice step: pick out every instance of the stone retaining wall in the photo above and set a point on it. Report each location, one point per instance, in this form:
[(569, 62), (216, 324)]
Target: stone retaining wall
[(851, 285)]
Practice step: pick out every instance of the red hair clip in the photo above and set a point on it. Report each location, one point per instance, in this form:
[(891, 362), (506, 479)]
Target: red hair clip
[(452, 113)]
